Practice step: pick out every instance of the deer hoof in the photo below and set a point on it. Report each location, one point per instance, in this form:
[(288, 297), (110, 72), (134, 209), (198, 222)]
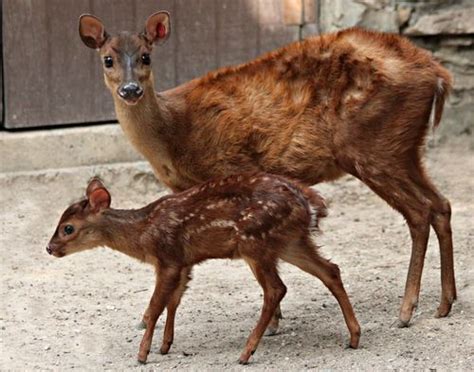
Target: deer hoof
[(403, 323), (141, 325), (271, 331)]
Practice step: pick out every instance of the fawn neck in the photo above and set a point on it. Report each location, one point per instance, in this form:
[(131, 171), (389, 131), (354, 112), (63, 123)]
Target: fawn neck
[(121, 231)]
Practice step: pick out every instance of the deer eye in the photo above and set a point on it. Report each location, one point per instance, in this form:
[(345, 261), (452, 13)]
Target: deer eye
[(108, 61), (146, 60), (68, 229)]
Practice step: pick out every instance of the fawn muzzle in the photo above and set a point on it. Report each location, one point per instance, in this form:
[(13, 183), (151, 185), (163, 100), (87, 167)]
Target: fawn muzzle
[(54, 250)]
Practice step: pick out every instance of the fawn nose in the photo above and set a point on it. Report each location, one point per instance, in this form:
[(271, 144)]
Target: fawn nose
[(49, 250), (130, 91)]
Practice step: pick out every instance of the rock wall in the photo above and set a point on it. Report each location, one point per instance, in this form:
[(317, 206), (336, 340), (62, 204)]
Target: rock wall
[(446, 27)]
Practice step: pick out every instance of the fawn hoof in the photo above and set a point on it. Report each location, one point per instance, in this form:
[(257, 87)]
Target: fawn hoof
[(165, 348), (142, 356), (141, 325), (403, 323), (244, 358), (443, 309), (353, 344), (271, 331)]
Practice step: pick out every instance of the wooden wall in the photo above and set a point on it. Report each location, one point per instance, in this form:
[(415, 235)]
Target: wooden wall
[(51, 78)]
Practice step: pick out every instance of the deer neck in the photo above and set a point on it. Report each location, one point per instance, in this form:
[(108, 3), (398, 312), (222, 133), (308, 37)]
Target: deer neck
[(121, 231), (150, 127)]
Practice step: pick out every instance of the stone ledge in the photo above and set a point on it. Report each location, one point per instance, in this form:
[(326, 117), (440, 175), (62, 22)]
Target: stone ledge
[(445, 22), (64, 148)]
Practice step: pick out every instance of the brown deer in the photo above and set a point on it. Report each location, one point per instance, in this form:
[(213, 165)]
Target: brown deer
[(257, 217), (355, 101)]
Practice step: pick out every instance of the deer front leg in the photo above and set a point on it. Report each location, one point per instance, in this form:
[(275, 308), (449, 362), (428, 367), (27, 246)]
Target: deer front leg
[(142, 324), (171, 308), (273, 292), (167, 282)]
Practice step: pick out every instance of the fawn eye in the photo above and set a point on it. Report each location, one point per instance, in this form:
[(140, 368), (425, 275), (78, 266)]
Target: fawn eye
[(68, 229), (146, 60), (108, 61)]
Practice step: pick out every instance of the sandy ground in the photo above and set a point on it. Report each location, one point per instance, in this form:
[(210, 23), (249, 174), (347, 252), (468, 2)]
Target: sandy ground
[(80, 311)]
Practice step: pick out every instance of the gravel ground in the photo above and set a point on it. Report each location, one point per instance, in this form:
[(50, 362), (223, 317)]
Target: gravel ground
[(80, 311)]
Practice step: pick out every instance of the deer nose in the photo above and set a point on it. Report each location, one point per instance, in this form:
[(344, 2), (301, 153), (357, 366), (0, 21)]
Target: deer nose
[(130, 90), (49, 250)]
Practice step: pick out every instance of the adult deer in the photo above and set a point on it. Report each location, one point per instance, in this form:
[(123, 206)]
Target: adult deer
[(356, 102)]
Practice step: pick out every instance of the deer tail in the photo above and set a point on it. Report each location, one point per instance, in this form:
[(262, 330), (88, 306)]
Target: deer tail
[(442, 90)]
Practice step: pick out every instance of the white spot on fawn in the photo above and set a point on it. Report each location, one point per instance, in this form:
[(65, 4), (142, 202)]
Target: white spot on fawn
[(314, 216)]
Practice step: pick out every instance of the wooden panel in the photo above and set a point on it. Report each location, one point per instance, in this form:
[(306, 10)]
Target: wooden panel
[(196, 47), (237, 31), (51, 78), (1, 65), (43, 71)]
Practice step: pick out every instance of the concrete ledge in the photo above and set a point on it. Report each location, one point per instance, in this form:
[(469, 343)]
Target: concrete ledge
[(136, 178), (64, 148)]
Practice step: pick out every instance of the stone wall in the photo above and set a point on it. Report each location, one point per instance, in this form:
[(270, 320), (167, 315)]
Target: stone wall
[(446, 27)]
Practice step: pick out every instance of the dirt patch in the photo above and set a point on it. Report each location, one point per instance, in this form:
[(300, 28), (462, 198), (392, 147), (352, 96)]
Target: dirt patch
[(80, 312)]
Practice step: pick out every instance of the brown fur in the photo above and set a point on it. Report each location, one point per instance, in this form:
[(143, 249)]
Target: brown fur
[(354, 101), (260, 218)]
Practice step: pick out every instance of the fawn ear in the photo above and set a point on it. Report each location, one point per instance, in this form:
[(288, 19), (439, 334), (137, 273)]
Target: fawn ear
[(92, 31), (98, 196), (158, 27)]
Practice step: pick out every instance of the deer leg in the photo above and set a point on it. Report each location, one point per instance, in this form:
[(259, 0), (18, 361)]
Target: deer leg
[(399, 191), (171, 308), (304, 255), (273, 326), (142, 324), (273, 292), (167, 282), (441, 223)]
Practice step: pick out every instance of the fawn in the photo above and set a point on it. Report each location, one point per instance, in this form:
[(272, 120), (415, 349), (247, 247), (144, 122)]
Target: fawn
[(258, 217), (355, 101)]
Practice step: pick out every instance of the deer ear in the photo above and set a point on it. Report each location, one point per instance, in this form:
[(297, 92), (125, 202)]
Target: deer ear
[(94, 183), (92, 31), (99, 199), (158, 27), (98, 196)]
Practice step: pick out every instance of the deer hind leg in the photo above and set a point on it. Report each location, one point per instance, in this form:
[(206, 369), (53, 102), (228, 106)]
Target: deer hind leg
[(273, 292), (303, 254), (441, 223), (168, 335), (404, 195), (274, 324)]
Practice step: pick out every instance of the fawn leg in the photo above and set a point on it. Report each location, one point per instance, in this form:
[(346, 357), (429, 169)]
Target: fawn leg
[(273, 292), (142, 323), (304, 255), (273, 326), (171, 308), (167, 282), (441, 222)]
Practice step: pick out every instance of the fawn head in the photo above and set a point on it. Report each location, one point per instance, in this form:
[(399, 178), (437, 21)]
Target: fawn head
[(126, 56), (78, 228)]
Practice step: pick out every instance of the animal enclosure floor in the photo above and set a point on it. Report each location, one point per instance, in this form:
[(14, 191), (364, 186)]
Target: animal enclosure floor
[(80, 311)]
